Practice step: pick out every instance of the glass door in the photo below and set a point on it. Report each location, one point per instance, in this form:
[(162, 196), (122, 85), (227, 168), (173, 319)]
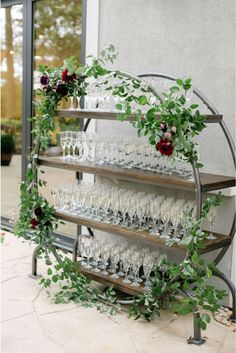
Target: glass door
[(57, 35), (32, 32), (11, 106)]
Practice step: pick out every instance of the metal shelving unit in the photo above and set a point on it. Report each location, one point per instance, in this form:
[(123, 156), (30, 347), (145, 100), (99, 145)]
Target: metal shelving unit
[(203, 182)]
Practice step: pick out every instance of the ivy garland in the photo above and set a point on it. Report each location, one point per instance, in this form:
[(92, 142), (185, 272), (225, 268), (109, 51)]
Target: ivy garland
[(172, 134)]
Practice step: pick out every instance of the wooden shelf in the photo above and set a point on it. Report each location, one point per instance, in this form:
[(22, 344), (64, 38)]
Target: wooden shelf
[(221, 241), (209, 182), (117, 283), (111, 115)]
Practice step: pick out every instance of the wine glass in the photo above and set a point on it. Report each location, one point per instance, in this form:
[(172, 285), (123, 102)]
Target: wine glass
[(53, 192), (68, 137), (126, 266), (211, 217), (104, 258), (73, 143), (136, 264), (63, 143)]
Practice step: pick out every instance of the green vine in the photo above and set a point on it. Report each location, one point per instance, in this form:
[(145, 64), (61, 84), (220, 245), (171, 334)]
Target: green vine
[(170, 126)]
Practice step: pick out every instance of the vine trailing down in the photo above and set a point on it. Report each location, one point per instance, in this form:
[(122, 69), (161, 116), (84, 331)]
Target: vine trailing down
[(170, 126)]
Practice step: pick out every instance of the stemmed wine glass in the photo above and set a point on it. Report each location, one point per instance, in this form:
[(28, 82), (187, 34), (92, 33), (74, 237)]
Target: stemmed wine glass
[(126, 266), (211, 217), (147, 268), (63, 143), (68, 138), (73, 143)]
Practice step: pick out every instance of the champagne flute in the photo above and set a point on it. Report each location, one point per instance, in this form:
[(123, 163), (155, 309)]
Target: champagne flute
[(211, 217)]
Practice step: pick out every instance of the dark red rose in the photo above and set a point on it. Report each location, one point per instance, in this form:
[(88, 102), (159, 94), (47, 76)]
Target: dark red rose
[(66, 78), (44, 80), (62, 89), (34, 223), (165, 147), (38, 211)]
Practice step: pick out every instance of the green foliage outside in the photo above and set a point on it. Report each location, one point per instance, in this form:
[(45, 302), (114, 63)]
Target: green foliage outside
[(7, 144)]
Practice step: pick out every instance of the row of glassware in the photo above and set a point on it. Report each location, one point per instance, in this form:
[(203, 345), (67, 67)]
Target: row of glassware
[(125, 152), (157, 214), (99, 96), (124, 260)]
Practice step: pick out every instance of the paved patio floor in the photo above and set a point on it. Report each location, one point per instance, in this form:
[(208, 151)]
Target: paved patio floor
[(32, 323)]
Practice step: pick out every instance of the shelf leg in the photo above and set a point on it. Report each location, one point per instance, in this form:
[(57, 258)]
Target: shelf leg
[(75, 250), (232, 289), (197, 337), (34, 274)]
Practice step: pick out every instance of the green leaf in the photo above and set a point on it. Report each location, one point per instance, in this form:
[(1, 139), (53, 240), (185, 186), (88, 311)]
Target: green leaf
[(206, 318), (171, 105), (203, 325), (208, 272), (142, 100), (55, 278), (194, 106), (179, 82), (187, 86), (186, 286), (195, 258), (49, 271), (119, 106)]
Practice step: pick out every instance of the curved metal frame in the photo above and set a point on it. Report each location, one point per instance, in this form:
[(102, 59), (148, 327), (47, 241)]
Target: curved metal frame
[(197, 330), (196, 173), (232, 289)]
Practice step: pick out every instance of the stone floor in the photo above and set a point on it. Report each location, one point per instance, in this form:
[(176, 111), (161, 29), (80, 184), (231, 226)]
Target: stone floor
[(32, 323)]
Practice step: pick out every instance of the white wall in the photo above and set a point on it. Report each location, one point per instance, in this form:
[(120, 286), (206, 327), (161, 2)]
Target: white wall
[(183, 38)]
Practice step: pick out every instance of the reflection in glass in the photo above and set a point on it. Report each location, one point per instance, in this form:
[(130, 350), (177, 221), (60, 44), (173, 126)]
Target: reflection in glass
[(57, 35), (11, 31)]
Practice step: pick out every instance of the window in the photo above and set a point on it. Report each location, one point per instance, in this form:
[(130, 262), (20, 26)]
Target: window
[(32, 33)]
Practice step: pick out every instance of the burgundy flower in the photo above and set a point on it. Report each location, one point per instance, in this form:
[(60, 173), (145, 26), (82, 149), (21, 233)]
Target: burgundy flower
[(165, 147), (38, 211), (62, 89), (34, 223), (66, 78), (44, 80)]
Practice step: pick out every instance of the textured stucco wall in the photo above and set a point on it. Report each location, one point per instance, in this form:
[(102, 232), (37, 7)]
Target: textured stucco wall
[(185, 38), (182, 38)]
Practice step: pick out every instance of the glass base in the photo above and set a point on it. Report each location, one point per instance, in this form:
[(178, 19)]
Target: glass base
[(135, 284), (96, 270), (126, 281), (115, 276)]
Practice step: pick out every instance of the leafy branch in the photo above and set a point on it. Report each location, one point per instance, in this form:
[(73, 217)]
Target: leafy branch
[(170, 125)]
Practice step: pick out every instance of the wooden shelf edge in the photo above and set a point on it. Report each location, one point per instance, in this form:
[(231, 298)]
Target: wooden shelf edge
[(111, 115), (109, 228), (220, 242), (209, 181), (107, 281)]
